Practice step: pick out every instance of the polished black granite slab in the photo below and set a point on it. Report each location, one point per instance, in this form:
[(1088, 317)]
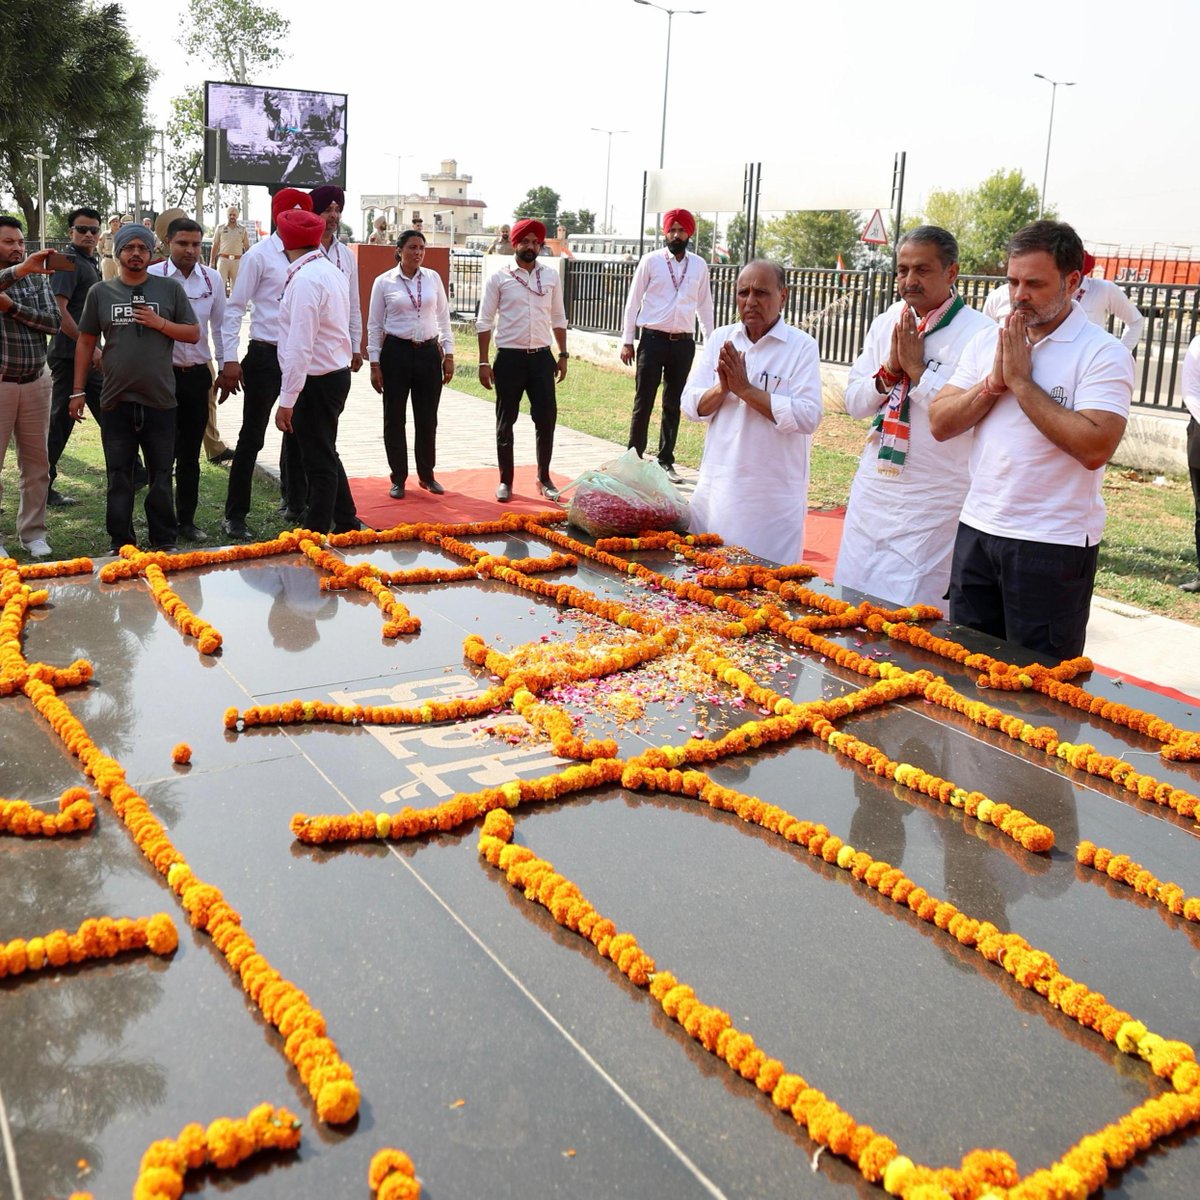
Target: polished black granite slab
[(489, 1043)]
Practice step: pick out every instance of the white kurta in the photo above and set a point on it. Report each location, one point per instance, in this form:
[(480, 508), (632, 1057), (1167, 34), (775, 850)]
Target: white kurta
[(753, 486), (898, 535)]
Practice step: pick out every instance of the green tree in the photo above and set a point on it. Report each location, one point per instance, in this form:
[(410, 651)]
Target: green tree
[(73, 86), (812, 238), (541, 203), (239, 38), (983, 218), (583, 221), (735, 237)]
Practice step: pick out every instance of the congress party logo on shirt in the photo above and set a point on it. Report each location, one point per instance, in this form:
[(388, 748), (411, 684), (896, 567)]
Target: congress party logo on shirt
[(1059, 396)]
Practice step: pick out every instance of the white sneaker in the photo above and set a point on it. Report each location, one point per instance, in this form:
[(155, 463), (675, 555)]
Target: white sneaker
[(38, 548)]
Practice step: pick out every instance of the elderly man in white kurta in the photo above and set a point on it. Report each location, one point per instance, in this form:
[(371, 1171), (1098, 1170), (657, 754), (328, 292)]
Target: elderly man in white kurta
[(898, 535), (758, 387)]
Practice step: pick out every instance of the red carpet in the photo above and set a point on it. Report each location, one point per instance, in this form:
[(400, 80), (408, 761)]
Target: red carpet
[(822, 539), (470, 496)]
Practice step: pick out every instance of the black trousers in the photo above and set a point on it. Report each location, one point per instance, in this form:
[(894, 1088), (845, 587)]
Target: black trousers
[(192, 386), (1193, 457), (660, 360), (529, 373), (261, 381), (126, 428), (406, 368), (62, 374), (1036, 594), (315, 420)]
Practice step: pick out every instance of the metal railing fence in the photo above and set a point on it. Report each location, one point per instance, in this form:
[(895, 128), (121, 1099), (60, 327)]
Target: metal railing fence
[(837, 308)]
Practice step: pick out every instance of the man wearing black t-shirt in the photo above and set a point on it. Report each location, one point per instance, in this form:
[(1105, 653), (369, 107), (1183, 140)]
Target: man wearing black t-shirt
[(70, 289), (141, 317)]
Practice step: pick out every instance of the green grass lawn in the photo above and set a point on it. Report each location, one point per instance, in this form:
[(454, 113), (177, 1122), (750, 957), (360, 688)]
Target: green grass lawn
[(1148, 547), (78, 531)]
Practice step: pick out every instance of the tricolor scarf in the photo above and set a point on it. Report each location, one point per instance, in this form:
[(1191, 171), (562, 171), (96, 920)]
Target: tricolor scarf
[(892, 420)]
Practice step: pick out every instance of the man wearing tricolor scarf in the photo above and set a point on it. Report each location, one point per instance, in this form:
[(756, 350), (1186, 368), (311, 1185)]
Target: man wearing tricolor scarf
[(898, 536)]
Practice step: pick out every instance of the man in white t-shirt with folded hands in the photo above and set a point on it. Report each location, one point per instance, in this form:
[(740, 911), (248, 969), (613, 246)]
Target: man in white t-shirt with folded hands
[(1048, 394)]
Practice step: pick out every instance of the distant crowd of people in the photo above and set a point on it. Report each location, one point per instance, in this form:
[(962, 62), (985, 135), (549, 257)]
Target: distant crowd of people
[(979, 483)]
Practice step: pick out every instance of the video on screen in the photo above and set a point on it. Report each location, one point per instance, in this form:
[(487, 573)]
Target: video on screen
[(275, 136)]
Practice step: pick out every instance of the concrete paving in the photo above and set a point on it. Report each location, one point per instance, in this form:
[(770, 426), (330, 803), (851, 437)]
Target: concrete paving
[(1126, 640)]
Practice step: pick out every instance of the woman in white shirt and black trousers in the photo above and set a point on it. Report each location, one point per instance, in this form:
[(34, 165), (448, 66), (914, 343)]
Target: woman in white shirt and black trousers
[(411, 349)]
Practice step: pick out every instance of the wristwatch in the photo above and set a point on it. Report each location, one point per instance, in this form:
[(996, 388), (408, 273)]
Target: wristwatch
[(563, 354)]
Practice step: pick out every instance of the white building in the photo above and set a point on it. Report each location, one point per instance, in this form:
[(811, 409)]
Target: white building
[(445, 208)]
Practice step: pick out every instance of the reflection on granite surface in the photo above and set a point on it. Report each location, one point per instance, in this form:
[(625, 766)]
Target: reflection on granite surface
[(474, 1022)]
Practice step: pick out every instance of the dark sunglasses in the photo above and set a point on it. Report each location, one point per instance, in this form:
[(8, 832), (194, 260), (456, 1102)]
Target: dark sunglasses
[(92, 229)]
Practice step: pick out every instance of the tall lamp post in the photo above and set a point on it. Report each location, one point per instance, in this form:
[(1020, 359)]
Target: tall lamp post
[(399, 159), (693, 12), (607, 173), (1055, 84)]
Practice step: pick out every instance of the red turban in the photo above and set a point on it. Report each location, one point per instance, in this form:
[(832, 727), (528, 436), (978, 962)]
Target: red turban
[(681, 215), (289, 198), (1089, 263), (527, 226), (298, 229)]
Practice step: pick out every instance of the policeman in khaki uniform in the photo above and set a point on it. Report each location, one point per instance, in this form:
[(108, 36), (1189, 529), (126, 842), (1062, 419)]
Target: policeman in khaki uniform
[(230, 242), (108, 262)]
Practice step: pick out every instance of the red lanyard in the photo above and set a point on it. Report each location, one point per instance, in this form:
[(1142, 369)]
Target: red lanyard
[(208, 291), (296, 267), (414, 301), (670, 267), (517, 272)]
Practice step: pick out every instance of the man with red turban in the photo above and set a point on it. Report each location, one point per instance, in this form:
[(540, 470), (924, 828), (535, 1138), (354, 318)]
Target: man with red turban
[(670, 290), (525, 304), (259, 284), (314, 364), (328, 200)]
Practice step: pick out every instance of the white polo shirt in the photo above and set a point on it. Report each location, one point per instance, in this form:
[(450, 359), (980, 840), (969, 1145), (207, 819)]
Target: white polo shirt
[(1022, 485)]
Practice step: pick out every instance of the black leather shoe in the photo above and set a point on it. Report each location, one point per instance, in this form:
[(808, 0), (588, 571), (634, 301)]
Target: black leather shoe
[(673, 475), (192, 533), (58, 500), (1192, 585), (432, 485), (504, 493), (358, 527), (291, 516), (547, 489), (396, 491), (236, 531), (225, 456)]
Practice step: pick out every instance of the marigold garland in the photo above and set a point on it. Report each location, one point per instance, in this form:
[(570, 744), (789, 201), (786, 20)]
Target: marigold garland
[(1122, 869), (224, 1144), (392, 1176), (76, 812), (1085, 1166), (97, 937)]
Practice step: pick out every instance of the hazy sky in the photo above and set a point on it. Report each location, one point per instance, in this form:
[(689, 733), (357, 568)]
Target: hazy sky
[(511, 92)]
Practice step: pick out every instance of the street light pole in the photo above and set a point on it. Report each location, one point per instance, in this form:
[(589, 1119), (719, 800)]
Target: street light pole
[(692, 12), (607, 173), (1055, 84)]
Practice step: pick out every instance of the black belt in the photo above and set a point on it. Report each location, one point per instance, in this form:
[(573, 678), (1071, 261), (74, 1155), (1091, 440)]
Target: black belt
[(518, 350), (190, 366), (21, 378), (260, 342), (433, 341), (670, 337)]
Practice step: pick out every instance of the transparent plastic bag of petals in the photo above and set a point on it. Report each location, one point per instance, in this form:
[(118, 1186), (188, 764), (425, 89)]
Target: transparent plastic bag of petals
[(627, 496)]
